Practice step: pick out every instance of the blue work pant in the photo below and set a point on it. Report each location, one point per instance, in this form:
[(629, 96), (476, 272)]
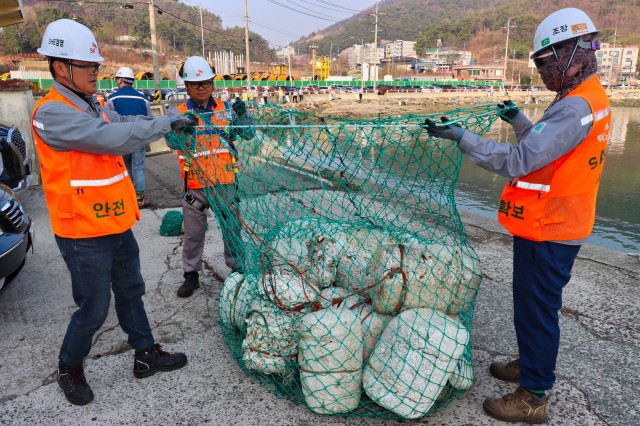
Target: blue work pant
[(98, 266), (540, 272), (135, 167)]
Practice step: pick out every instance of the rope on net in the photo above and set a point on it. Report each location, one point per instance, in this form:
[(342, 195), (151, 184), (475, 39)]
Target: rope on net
[(359, 281)]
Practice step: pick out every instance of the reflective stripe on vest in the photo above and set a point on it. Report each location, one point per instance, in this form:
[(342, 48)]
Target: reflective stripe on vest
[(100, 182), (533, 186), (205, 153)]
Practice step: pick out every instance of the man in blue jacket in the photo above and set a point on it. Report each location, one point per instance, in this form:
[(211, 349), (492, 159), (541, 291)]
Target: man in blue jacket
[(128, 101)]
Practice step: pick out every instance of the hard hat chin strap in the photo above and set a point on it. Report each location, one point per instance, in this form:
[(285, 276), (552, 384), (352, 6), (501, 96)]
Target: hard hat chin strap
[(72, 83)]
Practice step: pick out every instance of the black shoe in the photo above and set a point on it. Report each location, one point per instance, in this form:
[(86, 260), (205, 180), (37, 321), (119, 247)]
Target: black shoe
[(75, 386), (190, 284), (154, 359)]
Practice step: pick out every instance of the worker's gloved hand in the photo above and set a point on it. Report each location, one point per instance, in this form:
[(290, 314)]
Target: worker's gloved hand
[(442, 130), (242, 124), (508, 111), (178, 121), (239, 107)]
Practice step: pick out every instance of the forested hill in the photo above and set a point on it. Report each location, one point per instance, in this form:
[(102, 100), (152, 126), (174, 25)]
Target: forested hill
[(177, 25), (476, 25)]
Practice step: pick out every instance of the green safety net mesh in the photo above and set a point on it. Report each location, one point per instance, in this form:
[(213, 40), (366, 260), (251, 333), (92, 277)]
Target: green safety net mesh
[(359, 282)]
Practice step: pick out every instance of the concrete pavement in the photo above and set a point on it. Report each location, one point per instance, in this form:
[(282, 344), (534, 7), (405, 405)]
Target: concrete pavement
[(598, 379)]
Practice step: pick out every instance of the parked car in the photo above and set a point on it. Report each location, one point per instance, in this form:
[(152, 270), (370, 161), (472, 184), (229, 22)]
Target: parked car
[(15, 164), (165, 94), (106, 92), (426, 89), (179, 94), (16, 236), (16, 231), (384, 88)]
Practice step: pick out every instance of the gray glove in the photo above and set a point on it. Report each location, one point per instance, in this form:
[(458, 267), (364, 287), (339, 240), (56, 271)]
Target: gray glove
[(508, 111), (178, 121), (442, 130)]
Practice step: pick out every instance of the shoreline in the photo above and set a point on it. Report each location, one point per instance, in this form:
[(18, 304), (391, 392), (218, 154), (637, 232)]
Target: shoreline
[(391, 104)]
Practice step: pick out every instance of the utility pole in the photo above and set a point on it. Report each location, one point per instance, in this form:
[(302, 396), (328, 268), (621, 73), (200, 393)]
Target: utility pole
[(202, 30), (154, 47), (375, 47), (289, 60), (513, 64), (506, 53), (615, 37), (246, 40)]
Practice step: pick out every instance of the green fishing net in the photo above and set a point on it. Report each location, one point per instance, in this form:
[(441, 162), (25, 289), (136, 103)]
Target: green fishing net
[(359, 282)]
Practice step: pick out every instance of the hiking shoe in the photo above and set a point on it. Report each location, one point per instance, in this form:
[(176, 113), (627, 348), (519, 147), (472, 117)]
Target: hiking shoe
[(519, 406), (75, 386), (191, 283), (506, 371), (142, 202), (154, 359)]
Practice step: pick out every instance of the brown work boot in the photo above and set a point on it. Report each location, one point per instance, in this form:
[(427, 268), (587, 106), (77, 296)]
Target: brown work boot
[(519, 406), (506, 371)]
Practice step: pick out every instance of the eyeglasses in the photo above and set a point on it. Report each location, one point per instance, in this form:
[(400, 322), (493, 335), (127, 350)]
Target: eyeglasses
[(92, 67), (543, 59), (200, 84)]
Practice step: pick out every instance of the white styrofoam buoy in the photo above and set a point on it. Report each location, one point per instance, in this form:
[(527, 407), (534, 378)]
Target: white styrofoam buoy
[(286, 290), (437, 276), (462, 376), (271, 342), (413, 360), (330, 360), (228, 295), (360, 246)]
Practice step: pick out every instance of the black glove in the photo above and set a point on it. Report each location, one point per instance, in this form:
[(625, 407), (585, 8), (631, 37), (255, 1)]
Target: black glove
[(444, 131), (239, 107), (508, 111), (179, 122), (243, 119)]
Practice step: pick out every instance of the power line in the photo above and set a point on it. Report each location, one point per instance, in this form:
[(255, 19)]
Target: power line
[(310, 10), (341, 10), (304, 13), (331, 4), (273, 29)]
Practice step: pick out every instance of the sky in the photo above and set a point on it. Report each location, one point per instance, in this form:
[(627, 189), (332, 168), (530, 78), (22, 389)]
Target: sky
[(282, 21)]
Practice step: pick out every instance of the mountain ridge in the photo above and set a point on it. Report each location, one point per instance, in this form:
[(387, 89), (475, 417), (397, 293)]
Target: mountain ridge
[(477, 25)]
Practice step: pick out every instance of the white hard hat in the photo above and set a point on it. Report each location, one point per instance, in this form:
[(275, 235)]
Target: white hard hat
[(68, 39), (125, 72), (560, 26), (196, 68)]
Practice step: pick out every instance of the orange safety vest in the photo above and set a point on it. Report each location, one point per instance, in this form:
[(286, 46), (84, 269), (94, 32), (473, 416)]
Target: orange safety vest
[(558, 201), (212, 160), (88, 195)]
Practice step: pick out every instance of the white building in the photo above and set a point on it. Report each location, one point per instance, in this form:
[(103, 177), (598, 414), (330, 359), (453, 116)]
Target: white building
[(617, 64), (286, 52), (446, 58), (400, 49), (365, 54)]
